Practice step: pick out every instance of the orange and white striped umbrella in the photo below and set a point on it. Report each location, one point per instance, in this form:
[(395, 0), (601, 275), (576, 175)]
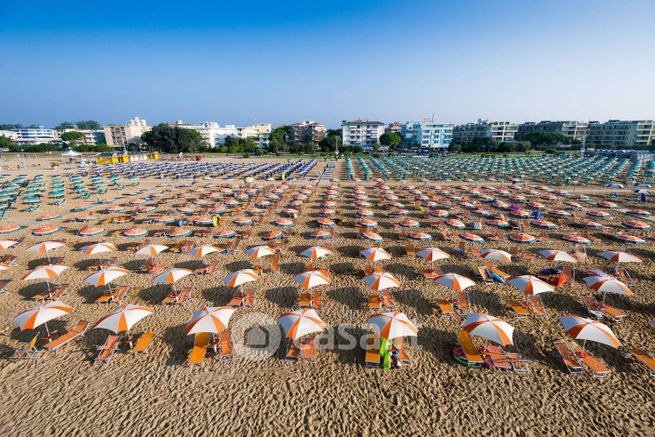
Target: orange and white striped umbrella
[(301, 322), (311, 279), (620, 257), (204, 250), (41, 314), (240, 277), (151, 249), (6, 244), (257, 252), (45, 246), (123, 318), (4, 266), (496, 255), (392, 325), (557, 255), (432, 254), (49, 271), (530, 285), (93, 249), (489, 327), (374, 254), (607, 285), (209, 319), (379, 281), (315, 252), (581, 328), (172, 276), (455, 282), (105, 276)]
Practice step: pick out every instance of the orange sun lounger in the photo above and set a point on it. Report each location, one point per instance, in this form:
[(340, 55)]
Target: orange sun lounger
[(108, 349), (372, 356), (199, 350), (144, 341), (226, 345), (570, 360), (77, 331), (471, 352), (646, 360)]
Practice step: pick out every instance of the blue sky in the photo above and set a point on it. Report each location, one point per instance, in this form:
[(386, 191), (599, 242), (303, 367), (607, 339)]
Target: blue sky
[(283, 61)]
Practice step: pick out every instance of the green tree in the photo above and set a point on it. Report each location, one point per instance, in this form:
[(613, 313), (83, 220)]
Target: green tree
[(10, 126), (5, 143), (73, 138), (390, 140), (83, 124), (174, 139)]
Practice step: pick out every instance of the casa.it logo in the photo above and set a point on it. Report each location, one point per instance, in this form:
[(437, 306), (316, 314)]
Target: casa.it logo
[(256, 336)]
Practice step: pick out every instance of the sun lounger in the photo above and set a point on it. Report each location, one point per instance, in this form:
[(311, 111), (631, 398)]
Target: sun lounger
[(484, 275), (305, 300), (144, 341), (470, 351), (199, 351), (372, 352), (226, 345), (249, 298), (113, 296), (445, 306), (624, 276), (498, 358), (28, 352), (316, 299), (275, 263), (45, 262), (599, 310), (462, 301), (237, 298), (591, 364), (492, 268), (152, 267), (71, 335), (566, 278), (208, 268), (8, 259), (646, 360), (432, 273), (308, 349), (374, 301), (106, 351), (4, 284), (53, 293), (410, 250), (519, 364), (400, 345), (519, 308), (293, 351), (569, 359), (536, 305), (387, 300)]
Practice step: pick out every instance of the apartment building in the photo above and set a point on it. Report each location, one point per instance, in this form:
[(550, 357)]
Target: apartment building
[(574, 130), (501, 131), (431, 135), (621, 133), (364, 133), (35, 135), (120, 135), (307, 132), (259, 132), (212, 133), (91, 136)]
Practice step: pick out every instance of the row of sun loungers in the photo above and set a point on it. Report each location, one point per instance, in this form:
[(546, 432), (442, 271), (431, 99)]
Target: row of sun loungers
[(495, 355), (113, 343), (113, 296), (243, 298), (178, 297), (304, 349), (600, 310), (52, 293)]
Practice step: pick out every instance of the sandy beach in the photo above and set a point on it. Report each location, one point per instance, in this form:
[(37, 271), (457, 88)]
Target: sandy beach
[(157, 393)]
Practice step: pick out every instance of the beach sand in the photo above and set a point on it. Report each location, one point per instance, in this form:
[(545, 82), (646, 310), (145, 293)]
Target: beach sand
[(156, 393)]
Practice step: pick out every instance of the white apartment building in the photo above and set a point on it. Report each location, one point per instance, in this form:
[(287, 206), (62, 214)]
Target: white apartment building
[(91, 136), (364, 133), (35, 135), (428, 134), (212, 133), (501, 131), (123, 134)]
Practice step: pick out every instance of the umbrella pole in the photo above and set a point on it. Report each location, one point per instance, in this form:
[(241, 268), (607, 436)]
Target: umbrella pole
[(46, 329), (110, 291)]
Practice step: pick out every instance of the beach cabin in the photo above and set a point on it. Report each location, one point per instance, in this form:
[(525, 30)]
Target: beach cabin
[(125, 157)]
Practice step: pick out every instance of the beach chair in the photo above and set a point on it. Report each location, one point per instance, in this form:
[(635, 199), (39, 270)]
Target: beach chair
[(9, 259), (71, 335), (368, 270), (28, 352), (400, 345), (237, 298), (519, 308), (645, 360), (226, 345), (462, 301), (208, 268), (445, 306), (569, 359), (4, 285), (316, 299), (612, 313), (519, 364), (249, 298), (470, 351), (152, 267), (566, 277), (372, 352), (199, 350), (410, 250), (483, 274), (308, 350), (144, 342), (275, 263), (593, 307), (461, 249), (432, 273), (234, 247), (293, 351), (536, 305), (374, 301), (624, 275), (497, 356), (106, 351), (305, 300), (387, 300), (115, 296), (591, 364), (497, 271)]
